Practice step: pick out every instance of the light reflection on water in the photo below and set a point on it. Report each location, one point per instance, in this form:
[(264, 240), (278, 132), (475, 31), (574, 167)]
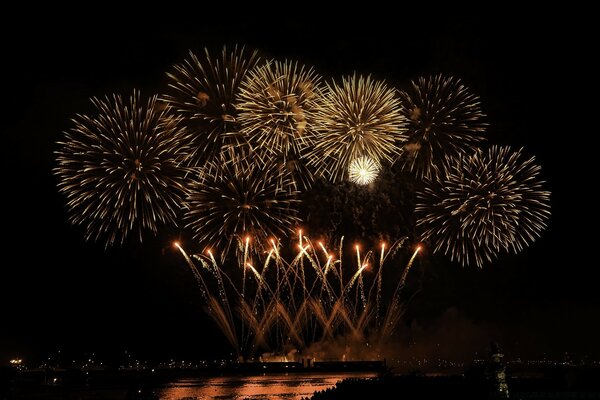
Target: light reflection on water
[(271, 386)]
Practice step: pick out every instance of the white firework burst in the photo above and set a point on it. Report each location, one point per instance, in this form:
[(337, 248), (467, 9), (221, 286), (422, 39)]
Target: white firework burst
[(363, 170)]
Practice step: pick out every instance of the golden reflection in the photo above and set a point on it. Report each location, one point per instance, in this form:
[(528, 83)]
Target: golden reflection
[(272, 386)]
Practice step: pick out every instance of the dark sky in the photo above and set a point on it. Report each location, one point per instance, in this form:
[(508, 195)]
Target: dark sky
[(58, 292)]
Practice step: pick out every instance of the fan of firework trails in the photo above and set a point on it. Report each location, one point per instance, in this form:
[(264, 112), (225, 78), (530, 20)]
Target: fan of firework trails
[(233, 143)]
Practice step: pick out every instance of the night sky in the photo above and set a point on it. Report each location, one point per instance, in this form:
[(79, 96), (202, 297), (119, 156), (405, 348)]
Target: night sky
[(59, 292)]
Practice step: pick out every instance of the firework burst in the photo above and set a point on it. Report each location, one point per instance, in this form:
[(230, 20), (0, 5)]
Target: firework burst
[(202, 92), (361, 117), (277, 105), (363, 170), (119, 168), (240, 199), (444, 118), (488, 202)]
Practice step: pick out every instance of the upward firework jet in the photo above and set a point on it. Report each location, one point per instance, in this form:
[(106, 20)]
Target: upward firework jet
[(202, 92), (359, 118), (119, 168), (444, 118), (488, 202), (237, 199), (277, 105), (313, 295)]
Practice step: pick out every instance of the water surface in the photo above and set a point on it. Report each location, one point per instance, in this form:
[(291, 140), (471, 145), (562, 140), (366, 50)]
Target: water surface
[(293, 386)]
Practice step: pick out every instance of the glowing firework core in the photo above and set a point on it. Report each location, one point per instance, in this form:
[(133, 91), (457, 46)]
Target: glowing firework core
[(363, 170)]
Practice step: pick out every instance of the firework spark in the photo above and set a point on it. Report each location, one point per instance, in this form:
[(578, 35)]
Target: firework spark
[(282, 302), (444, 118), (359, 118), (119, 168), (486, 203), (363, 170), (277, 105), (203, 91), (238, 199)]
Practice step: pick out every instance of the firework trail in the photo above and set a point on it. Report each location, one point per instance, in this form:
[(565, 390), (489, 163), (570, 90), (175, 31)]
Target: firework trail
[(287, 306), (238, 200), (378, 282), (219, 311), (408, 267), (277, 104), (202, 92), (359, 118), (444, 118), (119, 168), (487, 202)]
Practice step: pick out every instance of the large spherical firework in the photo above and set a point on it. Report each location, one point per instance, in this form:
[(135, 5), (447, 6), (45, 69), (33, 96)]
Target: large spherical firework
[(361, 117), (277, 104), (202, 92), (363, 170), (240, 198), (119, 168), (444, 118), (485, 203)]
